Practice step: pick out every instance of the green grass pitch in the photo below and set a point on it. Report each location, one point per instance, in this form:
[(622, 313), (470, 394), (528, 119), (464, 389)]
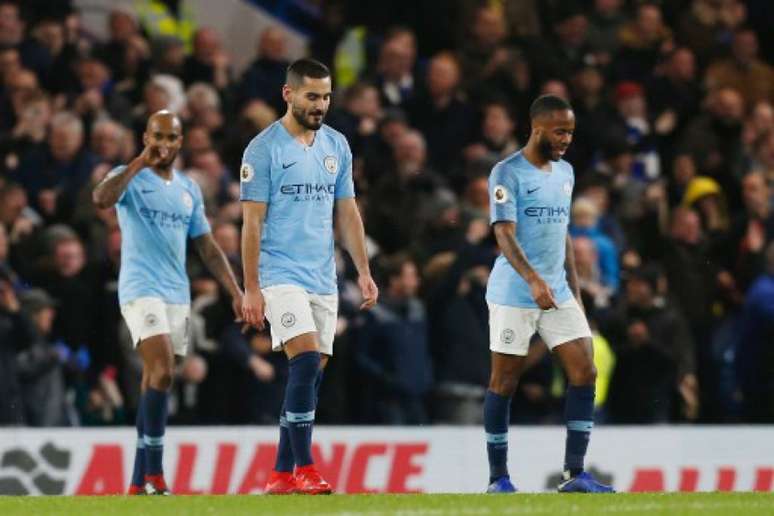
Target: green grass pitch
[(734, 504)]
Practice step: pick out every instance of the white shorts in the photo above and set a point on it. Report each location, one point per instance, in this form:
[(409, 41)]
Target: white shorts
[(292, 311), (511, 327), (150, 316)]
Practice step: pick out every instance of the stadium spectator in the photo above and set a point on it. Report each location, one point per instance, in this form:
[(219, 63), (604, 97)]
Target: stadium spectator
[(396, 75), (743, 71), (15, 334), (585, 223), (264, 78)]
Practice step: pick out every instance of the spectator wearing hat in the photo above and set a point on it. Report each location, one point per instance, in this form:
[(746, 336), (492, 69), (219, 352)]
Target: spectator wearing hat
[(41, 365), (633, 121)]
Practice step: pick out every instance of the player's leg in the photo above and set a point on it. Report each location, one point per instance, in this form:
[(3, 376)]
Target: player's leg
[(567, 333), (300, 401), (159, 362), (510, 330), (137, 486)]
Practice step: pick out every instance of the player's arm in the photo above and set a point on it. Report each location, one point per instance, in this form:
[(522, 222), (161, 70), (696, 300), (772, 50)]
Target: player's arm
[(253, 215), (572, 272), (505, 233), (353, 235), (109, 190), (217, 263)]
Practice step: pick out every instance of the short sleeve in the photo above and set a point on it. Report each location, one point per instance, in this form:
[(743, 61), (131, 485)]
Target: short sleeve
[(345, 187), (199, 224), (502, 195), (255, 173), (113, 173)]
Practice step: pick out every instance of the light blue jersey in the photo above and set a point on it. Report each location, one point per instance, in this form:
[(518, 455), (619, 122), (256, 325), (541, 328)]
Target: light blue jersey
[(539, 203), (300, 185), (156, 220)]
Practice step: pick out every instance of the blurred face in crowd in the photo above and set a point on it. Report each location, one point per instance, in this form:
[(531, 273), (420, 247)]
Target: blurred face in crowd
[(93, 74), (553, 133), (10, 63), (122, 26), (156, 98), (406, 283), (639, 293), (765, 150), (684, 169), (410, 152), (65, 141), (397, 56), (572, 31), (366, 103), (209, 162), (44, 319), (3, 244), (272, 44), (584, 213), (12, 203), (599, 196), (557, 88), (745, 46), (51, 35), (633, 106), (443, 75), (649, 21), (755, 192), (392, 131), (498, 126), (682, 66), (11, 25), (585, 256), (477, 192), (165, 133), (309, 101), (107, 141), (589, 82), (197, 139), (607, 7), (686, 226), (206, 45), (227, 237), (69, 257), (762, 117), (727, 106), (489, 28)]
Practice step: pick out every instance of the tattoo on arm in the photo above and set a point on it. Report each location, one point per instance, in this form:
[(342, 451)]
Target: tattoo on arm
[(217, 263), (505, 233), (109, 190)]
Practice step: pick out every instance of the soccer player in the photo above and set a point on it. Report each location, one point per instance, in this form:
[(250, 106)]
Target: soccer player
[(158, 210), (293, 173), (534, 288)]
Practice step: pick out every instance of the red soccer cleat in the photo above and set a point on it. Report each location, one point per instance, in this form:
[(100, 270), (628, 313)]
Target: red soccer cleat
[(136, 490), (155, 485), (281, 483), (309, 481)]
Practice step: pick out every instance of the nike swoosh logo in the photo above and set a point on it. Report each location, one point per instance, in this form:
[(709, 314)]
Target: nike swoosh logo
[(147, 191), (288, 165), (533, 190)]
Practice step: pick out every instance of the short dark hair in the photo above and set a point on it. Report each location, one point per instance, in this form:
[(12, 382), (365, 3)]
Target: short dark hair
[(306, 67), (546, 104)]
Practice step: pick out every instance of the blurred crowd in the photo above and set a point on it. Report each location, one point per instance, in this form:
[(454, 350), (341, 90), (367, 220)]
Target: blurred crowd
[(672, 218)]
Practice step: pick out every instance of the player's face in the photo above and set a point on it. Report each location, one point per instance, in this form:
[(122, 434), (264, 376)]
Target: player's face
[(165, 135), (554, 133), (310, 101)]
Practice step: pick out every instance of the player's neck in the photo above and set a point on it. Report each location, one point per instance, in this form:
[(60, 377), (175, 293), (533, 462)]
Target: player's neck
[(534, 156), (298, 131), (165, 173)]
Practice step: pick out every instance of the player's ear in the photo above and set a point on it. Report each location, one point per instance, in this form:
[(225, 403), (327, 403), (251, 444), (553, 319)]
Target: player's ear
[(287, 93), (145, 138)]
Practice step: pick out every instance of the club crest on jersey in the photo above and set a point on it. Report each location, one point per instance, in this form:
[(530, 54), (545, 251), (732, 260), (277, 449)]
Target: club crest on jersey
[(567, 188), (187, 200), (500, 194), (331, 164), (246, 173)]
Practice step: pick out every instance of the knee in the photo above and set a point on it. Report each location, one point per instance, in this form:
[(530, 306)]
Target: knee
[(160, 376), (503, 384), (584, 375)]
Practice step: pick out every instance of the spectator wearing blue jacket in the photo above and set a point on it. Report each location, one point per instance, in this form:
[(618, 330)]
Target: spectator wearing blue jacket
[(585, 222)]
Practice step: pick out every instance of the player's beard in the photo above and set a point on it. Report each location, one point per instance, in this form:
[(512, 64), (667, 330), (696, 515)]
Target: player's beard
[(304, 118), (545, 149)]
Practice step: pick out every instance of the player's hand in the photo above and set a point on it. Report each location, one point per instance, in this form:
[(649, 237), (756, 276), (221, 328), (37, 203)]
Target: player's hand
[(253, 309), (368, 290), (236, 305), (151, 156), (541, 293)]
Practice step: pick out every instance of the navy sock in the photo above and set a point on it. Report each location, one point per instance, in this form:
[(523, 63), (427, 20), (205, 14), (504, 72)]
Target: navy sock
[(317, 384), (300, 403), (155, 420), (138, 474), (284, 461), (579, 414), (497, 413)]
